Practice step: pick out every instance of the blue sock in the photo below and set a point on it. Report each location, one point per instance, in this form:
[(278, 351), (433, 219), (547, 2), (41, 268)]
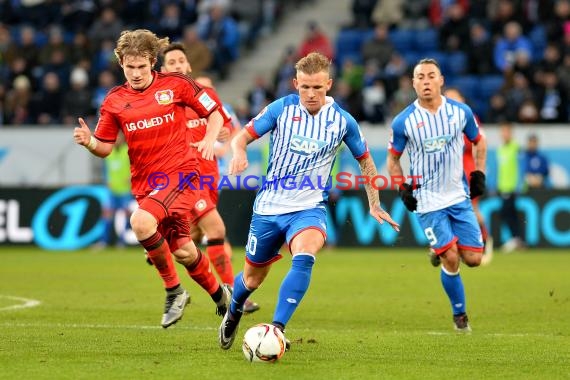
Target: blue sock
[(241, 293), (293, 287), (454, 288)]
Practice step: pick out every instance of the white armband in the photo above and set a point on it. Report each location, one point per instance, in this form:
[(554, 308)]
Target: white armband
[(92, 144)]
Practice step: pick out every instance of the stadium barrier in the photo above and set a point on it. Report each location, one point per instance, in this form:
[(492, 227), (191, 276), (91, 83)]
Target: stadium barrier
[(69, 218)]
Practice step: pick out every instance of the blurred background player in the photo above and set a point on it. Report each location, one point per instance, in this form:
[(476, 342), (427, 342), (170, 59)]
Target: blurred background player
[(535, 165), (508, 186), (205, 218), (295, 215), (161, 223), (432, 129), (468, 168), (117, 177)]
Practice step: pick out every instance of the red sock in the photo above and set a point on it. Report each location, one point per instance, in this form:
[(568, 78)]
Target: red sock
[(201, 273), (221, 261), (159, 254), (484, 232)]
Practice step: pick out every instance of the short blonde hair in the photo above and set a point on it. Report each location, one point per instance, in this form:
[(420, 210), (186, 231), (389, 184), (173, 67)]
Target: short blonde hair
[(313, 63), (139, 43)]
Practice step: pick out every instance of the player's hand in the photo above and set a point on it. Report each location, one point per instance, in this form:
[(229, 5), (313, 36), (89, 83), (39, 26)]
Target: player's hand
[(82, 134), (382, 216), (477, 184), (223, 135), (205, 147), (406, 194), (238, 164)]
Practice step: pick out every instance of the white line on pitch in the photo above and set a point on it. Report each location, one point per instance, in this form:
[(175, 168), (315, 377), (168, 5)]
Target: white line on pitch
[(25, 303)]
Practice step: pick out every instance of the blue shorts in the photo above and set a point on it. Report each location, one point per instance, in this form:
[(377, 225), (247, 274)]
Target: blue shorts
[(267, 233), (454, 224)]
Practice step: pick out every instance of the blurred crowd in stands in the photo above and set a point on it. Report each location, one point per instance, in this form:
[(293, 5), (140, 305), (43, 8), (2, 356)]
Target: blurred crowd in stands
[(57, 60), (510, 58)]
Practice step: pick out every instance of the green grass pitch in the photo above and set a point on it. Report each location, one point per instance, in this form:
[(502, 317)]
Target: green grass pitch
[(369, 314)]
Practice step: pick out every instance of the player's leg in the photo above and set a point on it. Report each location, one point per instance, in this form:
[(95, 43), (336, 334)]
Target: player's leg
[(469, 237), (144, 222), (438, 230), (262, 249), (306, 236)]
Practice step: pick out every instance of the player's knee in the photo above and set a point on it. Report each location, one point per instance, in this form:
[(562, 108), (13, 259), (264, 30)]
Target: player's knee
[(472, 259), (143, 224)]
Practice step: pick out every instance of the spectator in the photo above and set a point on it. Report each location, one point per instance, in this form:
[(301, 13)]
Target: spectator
[(516, 94), (259, 96), (528, 112), (455, 29), (535, 165), (283, 77), (511, 42), (26, 48), (480, 50), (563, 73), (221, 34), (497, 112), (362, 13), (199, 55), (249, 16), (80, 48), (403, 96), (416, 14), (442, 11), (501, 13), (77, 101), (374, 102), (390, 13), (17, 107), (106, 27), (170, 23), (105, 82), (77, 15), (56, 43), (315, 41), (552, 101), (379, 48), (45, 107)]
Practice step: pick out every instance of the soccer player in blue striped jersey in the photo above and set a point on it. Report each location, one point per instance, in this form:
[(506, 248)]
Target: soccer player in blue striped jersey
[(431, 130), (306, 131)]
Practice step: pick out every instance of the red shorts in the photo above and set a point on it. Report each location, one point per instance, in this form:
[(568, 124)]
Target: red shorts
[(171, 206), (207, 201)]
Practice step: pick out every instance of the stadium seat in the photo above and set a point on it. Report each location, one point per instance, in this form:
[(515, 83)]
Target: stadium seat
[(468, 85), (349, 44), (402, 39), (456, 63), (425, 40), (411, 57), (489, 85), (537, 37)]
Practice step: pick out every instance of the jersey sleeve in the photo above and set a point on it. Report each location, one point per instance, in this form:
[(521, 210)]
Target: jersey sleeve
[(471, 128), (202, 100), (107, 126), (398, 138), (354, 139), (266, 120)]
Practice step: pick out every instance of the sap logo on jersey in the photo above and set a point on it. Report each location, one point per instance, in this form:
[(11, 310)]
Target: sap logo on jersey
[(305, 146), (436, 144)]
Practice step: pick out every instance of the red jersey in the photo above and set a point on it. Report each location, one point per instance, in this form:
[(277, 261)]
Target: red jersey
[(154, 124), (197, 130)]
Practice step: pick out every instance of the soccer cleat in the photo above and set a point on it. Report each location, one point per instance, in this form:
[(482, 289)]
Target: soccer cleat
[(228, 329), (461, 323), (223, 304), (250, 307), (174, 308), (434, 259), (282, 329), (287, 344)]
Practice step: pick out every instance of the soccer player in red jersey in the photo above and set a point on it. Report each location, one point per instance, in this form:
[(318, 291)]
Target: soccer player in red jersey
[(206, 220), (149, 109), (468, 167)]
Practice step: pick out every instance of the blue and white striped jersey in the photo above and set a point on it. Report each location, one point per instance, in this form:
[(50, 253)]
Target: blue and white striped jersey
[(302, 151), (434, 143)]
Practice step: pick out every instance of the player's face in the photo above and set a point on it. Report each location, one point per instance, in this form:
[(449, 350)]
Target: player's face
[(427, 81), (138, 71), (313, 89), (175, 61)]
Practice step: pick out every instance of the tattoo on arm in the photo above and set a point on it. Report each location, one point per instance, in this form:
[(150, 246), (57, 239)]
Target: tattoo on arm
[(368, 170)]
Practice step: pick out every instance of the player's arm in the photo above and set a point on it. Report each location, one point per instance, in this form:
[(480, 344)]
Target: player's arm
[(368, 170), (480, 153), (82, 136), (239, 144), (477, 181), (393, 164)]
